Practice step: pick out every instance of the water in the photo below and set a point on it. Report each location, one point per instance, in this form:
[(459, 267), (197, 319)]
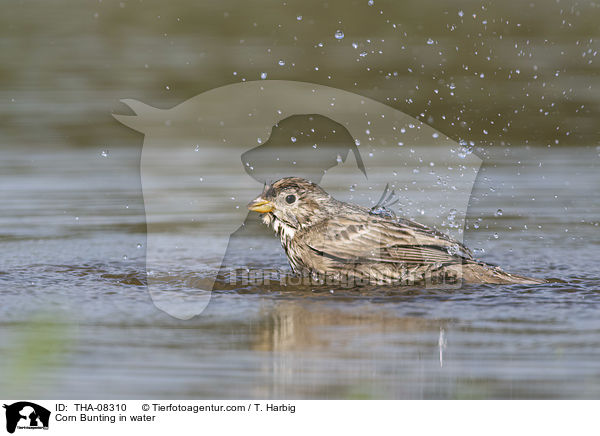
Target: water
[(77, 321)]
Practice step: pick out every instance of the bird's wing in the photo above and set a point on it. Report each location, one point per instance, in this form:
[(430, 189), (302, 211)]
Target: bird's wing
[(362, 238)]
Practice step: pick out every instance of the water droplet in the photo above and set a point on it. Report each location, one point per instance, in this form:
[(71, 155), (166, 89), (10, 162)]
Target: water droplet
[(139, 245), (299, 18), (104, 153), (281, 62), (465, 149), (498, 212), (370, 2), (382, 211), (496, 236), (461, 13), (430, 41), (339, 34), (263, 76), (124, 257), (293, 139), (197, 147)]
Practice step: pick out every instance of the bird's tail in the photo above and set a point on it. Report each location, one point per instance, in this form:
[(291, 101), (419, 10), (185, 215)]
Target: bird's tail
[(480, 272)]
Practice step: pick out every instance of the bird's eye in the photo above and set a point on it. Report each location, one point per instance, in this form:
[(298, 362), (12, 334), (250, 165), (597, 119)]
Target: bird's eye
[(290, 198)]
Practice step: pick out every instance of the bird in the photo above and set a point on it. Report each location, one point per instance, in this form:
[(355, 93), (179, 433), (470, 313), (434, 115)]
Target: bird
[(337, 241)]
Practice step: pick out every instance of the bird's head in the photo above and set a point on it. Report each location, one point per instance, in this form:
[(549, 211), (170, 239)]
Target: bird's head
[(294, 201)]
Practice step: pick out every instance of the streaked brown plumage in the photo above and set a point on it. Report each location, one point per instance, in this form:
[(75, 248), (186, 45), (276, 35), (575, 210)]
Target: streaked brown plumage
[(329, 238)]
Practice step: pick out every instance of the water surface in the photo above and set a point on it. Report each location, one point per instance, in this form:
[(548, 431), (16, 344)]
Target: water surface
[(77, 321)]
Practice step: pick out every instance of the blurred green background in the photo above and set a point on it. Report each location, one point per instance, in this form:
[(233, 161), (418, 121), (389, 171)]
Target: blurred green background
[(514, 72)]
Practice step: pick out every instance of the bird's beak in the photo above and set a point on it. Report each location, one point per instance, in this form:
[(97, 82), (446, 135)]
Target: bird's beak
[(261, 205)]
